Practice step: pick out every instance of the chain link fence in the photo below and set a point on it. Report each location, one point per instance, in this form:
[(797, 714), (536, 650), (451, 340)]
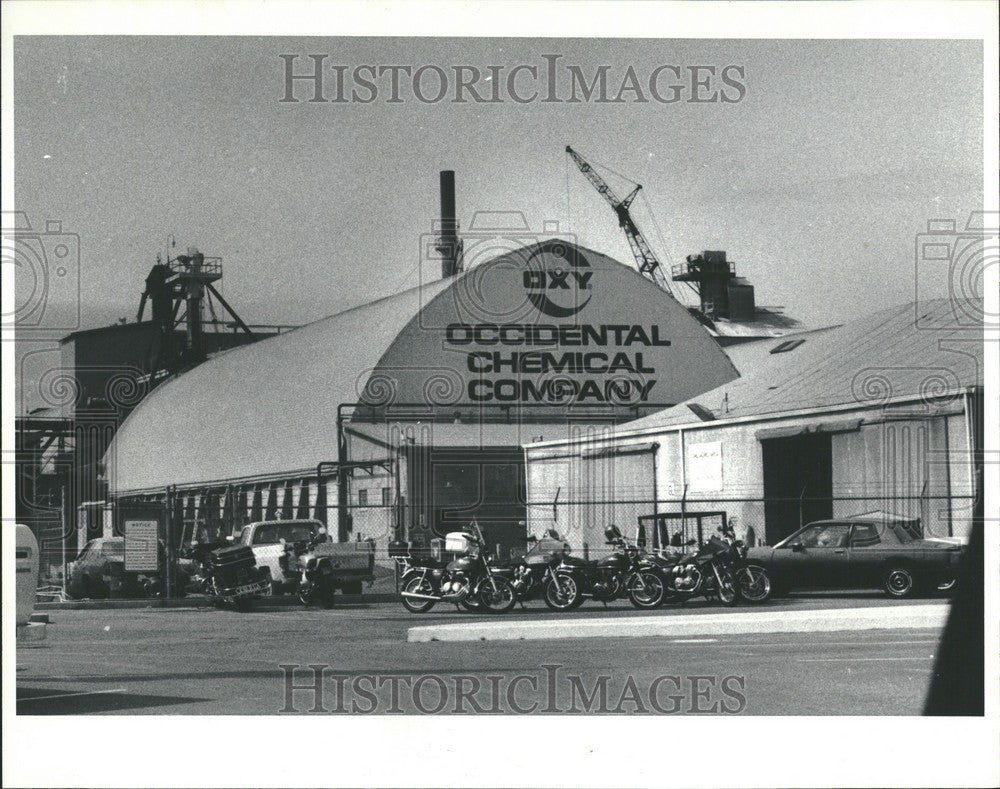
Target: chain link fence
[(756, 521), (95, 554)]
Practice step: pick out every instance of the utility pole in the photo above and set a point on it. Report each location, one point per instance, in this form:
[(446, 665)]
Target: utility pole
[(168, 532), (63, 529)]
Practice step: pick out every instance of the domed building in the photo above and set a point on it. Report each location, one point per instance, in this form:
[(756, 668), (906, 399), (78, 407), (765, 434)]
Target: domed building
[(406, 416)]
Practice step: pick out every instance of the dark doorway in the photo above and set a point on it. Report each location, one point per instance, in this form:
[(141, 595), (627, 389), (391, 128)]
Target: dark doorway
[(798, 483), (451, 486)]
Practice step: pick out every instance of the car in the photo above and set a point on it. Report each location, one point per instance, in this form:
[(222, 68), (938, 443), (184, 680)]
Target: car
[(860, 553), (90, 573), (99, 572)]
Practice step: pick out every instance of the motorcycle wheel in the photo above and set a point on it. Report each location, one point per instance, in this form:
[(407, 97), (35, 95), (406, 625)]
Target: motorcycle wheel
[(646, 590), (213, 592), (753, 584), (562, 593), (327, 593), (471, 603), (420, 586), (499, 601), (305, 599), (727, 588)]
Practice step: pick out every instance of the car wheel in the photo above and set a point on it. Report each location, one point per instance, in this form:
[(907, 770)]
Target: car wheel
[(898, 582)]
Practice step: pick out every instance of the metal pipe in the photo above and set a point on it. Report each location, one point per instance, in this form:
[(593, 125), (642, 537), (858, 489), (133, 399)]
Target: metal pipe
[(64, 524), (447, 243)]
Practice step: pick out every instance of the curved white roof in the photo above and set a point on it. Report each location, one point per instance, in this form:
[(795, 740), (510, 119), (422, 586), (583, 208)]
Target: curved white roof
[(261, 408), (270, 409)]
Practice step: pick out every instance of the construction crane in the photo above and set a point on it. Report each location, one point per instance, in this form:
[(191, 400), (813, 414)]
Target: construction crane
[(645, 260)]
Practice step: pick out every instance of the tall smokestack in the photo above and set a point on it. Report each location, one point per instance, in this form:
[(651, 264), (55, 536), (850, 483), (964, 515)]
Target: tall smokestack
[(448, 243)]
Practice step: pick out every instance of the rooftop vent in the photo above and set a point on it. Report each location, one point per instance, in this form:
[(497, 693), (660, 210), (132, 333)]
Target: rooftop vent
[(787, 345)]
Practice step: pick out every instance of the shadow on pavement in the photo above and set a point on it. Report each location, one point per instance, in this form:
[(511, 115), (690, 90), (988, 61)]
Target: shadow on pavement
[(56, 701)]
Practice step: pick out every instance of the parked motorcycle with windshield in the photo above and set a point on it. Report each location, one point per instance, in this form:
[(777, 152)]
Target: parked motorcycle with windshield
[(535, 569), (628, 572), (468, 579), (228, 574)]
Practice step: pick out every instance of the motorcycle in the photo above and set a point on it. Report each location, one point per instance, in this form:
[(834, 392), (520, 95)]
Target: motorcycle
[(628, 572), (468, 579), (315, 577), (536, 567), (228, 574), (708, 571)]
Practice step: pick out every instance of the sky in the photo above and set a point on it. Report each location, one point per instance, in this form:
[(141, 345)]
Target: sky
[(816, 183)]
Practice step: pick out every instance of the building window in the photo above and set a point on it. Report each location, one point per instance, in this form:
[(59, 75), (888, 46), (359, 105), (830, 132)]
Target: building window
[(385, 496), (363, 498)]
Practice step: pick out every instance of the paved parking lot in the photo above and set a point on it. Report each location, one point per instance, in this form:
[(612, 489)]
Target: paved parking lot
[(206, 661)]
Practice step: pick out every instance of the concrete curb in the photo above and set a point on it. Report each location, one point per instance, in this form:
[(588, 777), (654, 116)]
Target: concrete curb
[(200, 602), (816, 621)]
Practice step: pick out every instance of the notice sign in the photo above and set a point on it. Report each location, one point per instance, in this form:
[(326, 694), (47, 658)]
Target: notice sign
[(704, 467), (141, 553)]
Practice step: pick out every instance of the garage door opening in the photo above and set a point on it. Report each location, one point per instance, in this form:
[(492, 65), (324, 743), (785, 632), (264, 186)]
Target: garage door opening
[(798, 482), (450, 487)]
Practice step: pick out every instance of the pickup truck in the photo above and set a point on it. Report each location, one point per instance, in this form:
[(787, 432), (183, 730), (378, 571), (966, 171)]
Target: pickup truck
[(353, 563)]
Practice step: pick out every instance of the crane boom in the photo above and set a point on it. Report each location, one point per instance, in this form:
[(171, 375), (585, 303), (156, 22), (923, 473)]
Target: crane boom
[(645, 260)]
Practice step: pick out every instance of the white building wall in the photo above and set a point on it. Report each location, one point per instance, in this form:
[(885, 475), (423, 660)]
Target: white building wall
[(895, 453)]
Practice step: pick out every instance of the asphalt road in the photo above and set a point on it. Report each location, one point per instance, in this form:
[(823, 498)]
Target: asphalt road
[(206, 661)]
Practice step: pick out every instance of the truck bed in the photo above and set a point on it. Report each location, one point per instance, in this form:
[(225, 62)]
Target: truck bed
[(355, 560)]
